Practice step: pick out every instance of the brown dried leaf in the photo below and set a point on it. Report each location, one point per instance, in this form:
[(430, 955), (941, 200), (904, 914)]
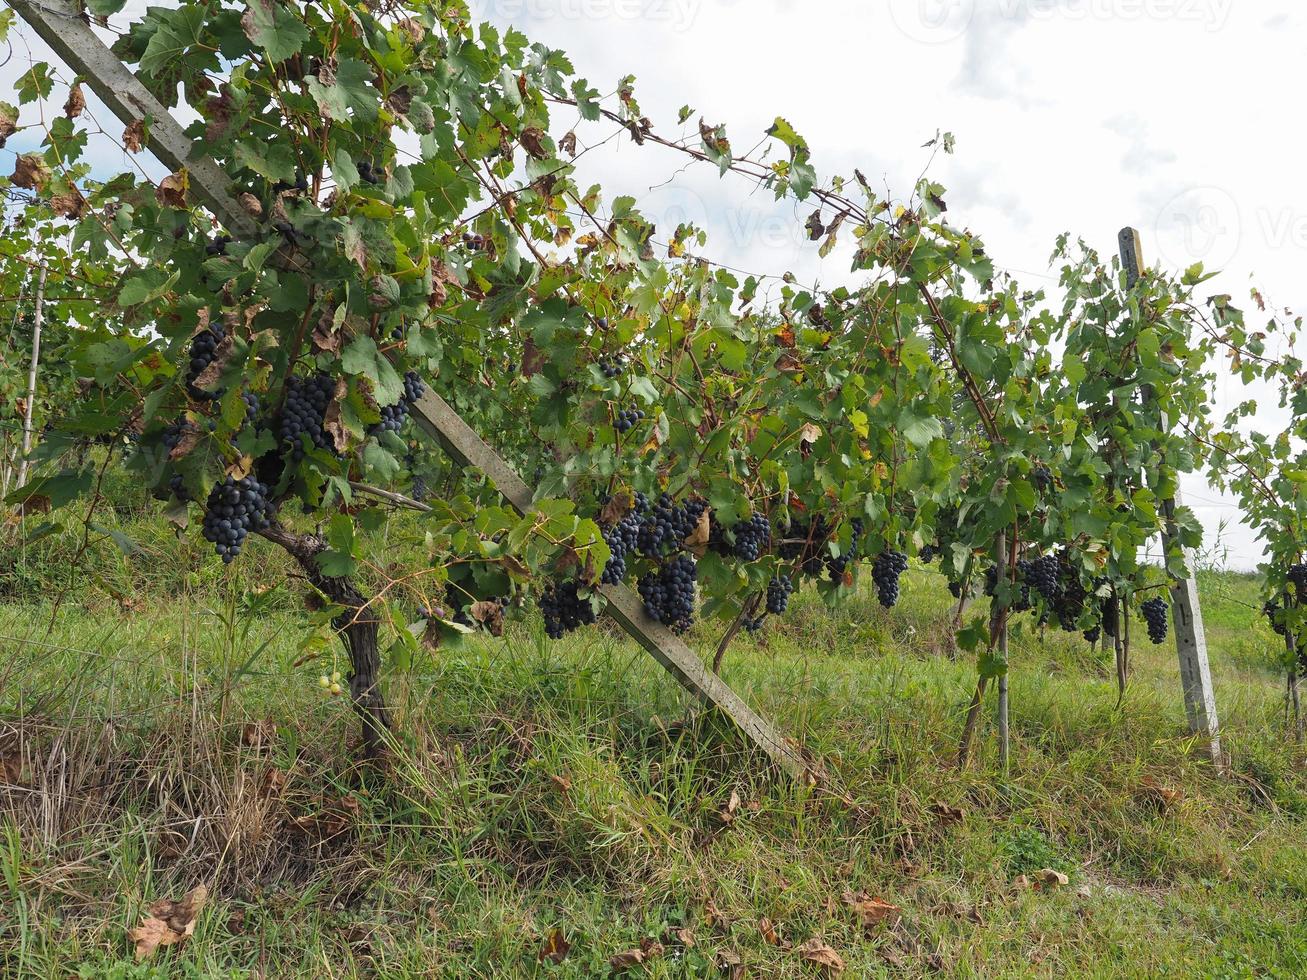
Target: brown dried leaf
[(617, 507), (134, 136), (683, 937), (326, 337), (810, 433), (947, 814), (788, 363), (626, 960), (568, 143), (221, 358), (768, 931), (785, 336), (256, 734), (11, 767), (412, 29), (816, 951), (730, 964), (727, 813), (8, 121), (169, 922), (1049, 878), (76, 102), (561, 783), (332, 423), (274, 781), (555, 948), (189, 440), (252, 205), (533, 359), (490, 615), (533, 141), (172, 190), (30, 172), (70, 205), (697, 543), (871, 912)]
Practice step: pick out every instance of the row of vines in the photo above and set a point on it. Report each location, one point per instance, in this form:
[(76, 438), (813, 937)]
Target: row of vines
[(414, 178)]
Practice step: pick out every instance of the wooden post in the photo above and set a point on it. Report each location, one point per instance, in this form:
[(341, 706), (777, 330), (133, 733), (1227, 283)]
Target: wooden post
[(61, 26), (1187, 615), (38, 318)]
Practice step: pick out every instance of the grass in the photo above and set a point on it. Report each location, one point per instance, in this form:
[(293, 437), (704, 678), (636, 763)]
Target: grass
[(169, 731)]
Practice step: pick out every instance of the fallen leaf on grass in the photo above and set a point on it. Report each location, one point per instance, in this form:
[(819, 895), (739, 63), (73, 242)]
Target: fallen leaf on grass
[(647, 950), (1162, 797), (1042, 880), (169, 922), (682, 937), (947, 814), (11, 767), (727, 813), (816, 951), (768, 931), (258, 733), (872, 912), (555, 948), (561, 783), (730, 964)]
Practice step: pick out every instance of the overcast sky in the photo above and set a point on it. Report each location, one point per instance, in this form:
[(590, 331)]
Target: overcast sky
[(1070, 115)]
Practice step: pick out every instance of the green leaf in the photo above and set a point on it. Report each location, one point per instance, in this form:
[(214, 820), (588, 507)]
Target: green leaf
[(274, 28), (363, 358), (338, 560)]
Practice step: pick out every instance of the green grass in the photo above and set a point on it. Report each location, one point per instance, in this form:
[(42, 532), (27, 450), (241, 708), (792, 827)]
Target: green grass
[(571, 786)]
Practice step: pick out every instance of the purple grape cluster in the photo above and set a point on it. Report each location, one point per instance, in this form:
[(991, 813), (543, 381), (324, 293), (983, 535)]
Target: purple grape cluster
[(669, 593), (234, 509), (564, 610), (306, 407), (885, 572)]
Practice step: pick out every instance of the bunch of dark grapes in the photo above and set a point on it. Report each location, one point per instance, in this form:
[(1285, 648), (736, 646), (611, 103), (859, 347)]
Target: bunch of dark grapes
[(564, 610), (367, 174), (476, 243), (751, 537), (1021, 598), (1298, 579), (1093, 634), (1069, 605), (778, 595), (622, 539), (394, 416), (172, 434), (1042, 477), (804, 543), (885, 572), (204, 347), (1155, 615), (1041, 575), (628, 419), (613, 368), (928, 554), (306, 406), (217, 245), (668, 593), (666, 525), (177, 487), (1275, 615), (955, 589), (233, 510), (835, 567)]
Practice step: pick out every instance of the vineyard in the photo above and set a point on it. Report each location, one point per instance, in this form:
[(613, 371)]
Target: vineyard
[(417, 562)]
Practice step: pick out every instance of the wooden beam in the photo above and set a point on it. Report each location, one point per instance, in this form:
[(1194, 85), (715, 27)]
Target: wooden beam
[(1186, 612), (58, 24)]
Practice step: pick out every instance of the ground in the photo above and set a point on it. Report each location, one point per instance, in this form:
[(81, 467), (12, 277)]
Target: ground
[(162, 727)]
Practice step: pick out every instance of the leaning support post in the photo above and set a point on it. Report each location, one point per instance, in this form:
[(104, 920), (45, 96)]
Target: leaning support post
[(1190, 637), (62, 26)]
